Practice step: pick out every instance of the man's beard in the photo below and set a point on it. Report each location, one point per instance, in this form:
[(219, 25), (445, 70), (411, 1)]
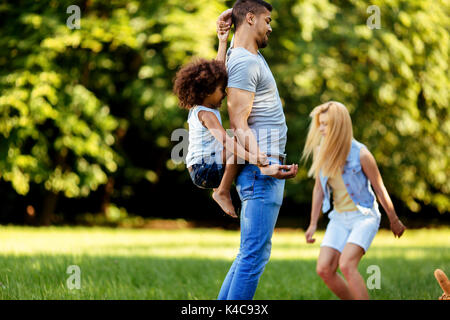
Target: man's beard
[(263, 43)]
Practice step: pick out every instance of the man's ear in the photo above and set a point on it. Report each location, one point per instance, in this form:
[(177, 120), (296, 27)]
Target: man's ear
[(250, 17)]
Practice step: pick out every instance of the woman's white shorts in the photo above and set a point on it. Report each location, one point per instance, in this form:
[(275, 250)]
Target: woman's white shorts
[(351, 227)]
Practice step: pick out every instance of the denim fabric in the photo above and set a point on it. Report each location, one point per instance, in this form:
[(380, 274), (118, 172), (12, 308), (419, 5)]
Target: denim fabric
[(207, 175), (261, 198), (356, 182)]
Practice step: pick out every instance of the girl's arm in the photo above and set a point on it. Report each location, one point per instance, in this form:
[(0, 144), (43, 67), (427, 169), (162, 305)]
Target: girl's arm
[(223, 30), (210, 121), (317, 199), (370, 168), (222, 51)]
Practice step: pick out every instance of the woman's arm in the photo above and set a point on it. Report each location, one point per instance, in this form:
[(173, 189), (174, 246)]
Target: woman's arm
[(317, 199), (370, 169)]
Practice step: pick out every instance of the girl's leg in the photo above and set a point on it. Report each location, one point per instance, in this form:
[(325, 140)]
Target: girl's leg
[(222, 194), (348, 263), (327, 265)]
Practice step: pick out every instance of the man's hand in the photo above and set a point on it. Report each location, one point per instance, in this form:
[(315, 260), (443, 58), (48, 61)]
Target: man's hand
[(277, 171), (270, 170), (262, 160)]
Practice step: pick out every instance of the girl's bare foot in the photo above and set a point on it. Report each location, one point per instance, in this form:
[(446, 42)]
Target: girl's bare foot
[(224, 201)]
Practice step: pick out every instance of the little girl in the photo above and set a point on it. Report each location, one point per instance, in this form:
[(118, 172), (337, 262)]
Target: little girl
[(345, 166), (200, 87)]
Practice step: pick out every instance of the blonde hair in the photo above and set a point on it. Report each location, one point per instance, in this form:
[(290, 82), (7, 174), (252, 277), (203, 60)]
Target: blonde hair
[(329, 152)]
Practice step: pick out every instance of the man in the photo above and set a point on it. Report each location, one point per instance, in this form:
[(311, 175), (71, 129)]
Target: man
[(257, 118)]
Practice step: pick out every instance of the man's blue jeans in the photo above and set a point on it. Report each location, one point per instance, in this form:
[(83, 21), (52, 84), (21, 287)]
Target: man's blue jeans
[(261, 198)]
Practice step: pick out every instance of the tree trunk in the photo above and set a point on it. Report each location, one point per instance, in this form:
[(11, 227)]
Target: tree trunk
[(109, 188), (49, 208)]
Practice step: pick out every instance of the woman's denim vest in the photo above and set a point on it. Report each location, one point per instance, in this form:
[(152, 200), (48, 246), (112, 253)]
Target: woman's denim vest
[(356, 182)]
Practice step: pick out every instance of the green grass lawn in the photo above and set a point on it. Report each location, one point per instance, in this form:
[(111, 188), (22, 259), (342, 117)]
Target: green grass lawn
[(192, 263)]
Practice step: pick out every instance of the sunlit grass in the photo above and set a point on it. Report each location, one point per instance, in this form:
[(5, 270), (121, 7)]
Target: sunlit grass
[(191, 263)]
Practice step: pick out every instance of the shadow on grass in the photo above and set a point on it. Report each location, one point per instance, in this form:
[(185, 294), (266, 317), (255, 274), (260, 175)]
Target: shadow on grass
[(141, 277)]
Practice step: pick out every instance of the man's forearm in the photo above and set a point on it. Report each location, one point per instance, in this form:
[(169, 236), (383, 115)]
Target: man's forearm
[(247, 139), (240, 104), (233, 146)]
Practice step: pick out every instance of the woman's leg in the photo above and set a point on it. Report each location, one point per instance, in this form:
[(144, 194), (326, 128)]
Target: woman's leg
[(348, 263), (327, 265), (222, 194)]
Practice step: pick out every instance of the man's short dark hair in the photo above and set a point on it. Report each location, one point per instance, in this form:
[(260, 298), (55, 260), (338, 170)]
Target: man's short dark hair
[(242, 7)]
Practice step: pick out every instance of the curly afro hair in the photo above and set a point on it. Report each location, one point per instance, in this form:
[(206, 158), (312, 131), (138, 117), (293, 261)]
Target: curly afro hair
[(198, 79)]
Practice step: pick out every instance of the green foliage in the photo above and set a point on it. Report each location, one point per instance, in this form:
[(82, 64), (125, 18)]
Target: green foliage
[(394, 80), (56, 131), (70, 98)]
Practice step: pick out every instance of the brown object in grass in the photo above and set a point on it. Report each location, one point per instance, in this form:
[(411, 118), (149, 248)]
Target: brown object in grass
[(444, 283)]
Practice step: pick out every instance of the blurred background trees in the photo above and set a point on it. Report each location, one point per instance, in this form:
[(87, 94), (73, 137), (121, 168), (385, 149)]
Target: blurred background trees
[(86, 115)]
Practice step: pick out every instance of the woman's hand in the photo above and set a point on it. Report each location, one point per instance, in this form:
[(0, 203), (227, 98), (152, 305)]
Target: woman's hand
[(397, 227), (370, 169), (309, 233)]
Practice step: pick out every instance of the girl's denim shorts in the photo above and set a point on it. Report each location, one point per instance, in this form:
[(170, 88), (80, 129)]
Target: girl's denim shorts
[(207, 175)]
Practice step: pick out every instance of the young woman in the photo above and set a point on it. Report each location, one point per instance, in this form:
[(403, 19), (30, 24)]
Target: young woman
[(212, 154), (348, 169)]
